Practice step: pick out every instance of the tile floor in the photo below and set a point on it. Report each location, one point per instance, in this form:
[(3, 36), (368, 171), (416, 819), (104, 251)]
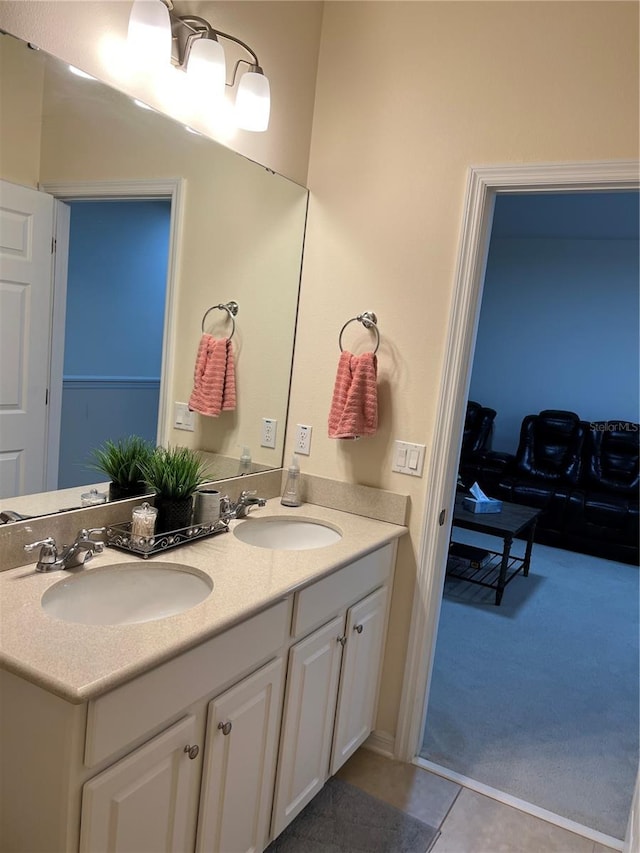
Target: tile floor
[(468, 822)]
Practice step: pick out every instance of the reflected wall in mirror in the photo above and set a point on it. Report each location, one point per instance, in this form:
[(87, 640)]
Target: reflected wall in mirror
[(236, 233)]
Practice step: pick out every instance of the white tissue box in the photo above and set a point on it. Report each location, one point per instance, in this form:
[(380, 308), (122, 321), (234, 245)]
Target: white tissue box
[(490, 505)]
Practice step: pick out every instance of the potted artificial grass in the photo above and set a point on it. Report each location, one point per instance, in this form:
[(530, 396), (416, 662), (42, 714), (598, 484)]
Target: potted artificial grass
[(122, 462), (174, 474)]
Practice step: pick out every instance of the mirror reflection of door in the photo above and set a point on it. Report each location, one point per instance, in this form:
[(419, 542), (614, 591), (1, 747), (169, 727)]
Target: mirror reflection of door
[(26, 223), (117, 275)]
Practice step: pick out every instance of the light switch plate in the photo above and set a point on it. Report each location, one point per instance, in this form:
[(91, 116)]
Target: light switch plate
[(183, 418), (408, 458)]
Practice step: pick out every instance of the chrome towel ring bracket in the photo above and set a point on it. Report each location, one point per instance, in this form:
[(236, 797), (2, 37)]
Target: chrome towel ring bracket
[(232, 310), (369, 321)]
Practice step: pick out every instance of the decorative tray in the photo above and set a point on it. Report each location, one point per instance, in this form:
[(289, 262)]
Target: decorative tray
[(119, 536)]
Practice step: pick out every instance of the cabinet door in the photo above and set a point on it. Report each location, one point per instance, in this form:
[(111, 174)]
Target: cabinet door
[(239, 764), (146, 802), (360, 676), (312, 685)]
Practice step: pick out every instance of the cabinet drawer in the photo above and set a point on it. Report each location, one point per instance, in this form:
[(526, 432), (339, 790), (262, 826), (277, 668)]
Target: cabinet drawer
[(129, 712), (323, 599)]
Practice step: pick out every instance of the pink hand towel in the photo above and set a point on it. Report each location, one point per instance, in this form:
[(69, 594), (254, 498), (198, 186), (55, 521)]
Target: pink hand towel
[(214, 381), (354, 408)]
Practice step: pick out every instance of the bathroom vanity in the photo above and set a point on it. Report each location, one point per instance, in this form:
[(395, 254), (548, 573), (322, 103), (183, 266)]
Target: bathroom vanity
[(209, 730)]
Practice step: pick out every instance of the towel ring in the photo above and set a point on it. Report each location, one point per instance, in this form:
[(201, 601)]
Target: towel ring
[(231, 308), (369, 321)]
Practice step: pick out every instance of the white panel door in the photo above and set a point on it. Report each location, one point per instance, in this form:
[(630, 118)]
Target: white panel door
[(360, 676), (239, 764), (26, 282), (145, 802), (312, 687)]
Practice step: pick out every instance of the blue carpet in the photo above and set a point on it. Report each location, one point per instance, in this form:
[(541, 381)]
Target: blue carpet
[(539, 697)]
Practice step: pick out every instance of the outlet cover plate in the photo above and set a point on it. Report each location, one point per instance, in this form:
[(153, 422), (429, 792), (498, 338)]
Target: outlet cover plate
[(269, 431), (303, 440)]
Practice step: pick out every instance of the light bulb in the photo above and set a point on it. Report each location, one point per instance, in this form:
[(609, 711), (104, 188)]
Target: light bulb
[(253, 101), (149, 36), (206, 69)]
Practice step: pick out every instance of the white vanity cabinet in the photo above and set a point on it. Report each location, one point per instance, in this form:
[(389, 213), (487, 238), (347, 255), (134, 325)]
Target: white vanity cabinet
[(145, 802), (239, 764), (197, 753), (332, 680)]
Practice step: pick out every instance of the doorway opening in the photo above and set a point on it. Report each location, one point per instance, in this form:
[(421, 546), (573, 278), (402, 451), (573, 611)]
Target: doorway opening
[(484, 184), (538, 698), (169, 193), (116, 293)]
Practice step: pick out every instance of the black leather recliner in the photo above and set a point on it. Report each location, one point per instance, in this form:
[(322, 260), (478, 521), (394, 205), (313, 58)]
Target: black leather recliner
[(546, 467), (476, 439), (603, 513), (584, 477)]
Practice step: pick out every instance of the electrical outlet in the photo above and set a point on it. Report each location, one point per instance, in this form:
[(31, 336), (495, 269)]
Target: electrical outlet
[(303, 439), (269, 429), (183, 418)]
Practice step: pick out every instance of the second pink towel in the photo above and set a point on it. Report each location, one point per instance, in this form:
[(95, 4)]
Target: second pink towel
[(214, 380), (354, 407)]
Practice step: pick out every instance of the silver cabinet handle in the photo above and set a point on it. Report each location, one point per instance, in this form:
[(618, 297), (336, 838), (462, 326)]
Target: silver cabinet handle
[(342, 641), (192, 751), (358, 628), (225, 728)]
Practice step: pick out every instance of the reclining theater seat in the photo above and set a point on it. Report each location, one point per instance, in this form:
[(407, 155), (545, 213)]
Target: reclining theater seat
[(546, 467), (604, 513), (476, 440)]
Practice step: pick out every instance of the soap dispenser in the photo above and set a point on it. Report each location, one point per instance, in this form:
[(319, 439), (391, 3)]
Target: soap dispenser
[(291, 494), (245, 462)]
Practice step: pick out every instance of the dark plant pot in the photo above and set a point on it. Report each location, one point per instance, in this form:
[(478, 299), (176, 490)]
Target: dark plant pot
[(173, 513), (119, 491)]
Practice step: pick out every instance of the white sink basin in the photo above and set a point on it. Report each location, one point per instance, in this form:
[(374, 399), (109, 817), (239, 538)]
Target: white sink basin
[(286, 534), (125, 593)]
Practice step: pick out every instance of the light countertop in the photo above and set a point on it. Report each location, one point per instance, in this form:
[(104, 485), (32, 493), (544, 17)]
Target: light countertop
[(79, 662)]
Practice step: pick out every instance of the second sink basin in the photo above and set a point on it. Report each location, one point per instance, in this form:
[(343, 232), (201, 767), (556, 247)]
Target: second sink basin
[(286, 534), (126, 593)]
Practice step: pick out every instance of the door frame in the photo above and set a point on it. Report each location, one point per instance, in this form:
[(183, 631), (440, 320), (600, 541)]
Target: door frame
[(171, 189), (483, 185)]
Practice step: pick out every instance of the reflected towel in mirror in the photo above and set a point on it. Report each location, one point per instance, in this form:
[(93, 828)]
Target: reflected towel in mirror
[(214, 380), (354, 407)]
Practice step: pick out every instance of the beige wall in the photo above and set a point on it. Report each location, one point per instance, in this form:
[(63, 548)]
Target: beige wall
[(409, 96), (285, 36), (21, 86)]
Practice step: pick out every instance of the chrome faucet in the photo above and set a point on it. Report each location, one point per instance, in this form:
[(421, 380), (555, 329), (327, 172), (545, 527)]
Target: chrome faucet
[(78, 553), (242, 507)]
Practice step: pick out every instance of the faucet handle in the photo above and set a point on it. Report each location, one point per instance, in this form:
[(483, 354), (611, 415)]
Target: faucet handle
[(42, 543), (48, 550), (94, 531), (246, 493)]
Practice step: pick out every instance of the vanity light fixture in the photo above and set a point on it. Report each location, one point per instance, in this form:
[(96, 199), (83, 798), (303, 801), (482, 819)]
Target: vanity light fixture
[(194, 47)]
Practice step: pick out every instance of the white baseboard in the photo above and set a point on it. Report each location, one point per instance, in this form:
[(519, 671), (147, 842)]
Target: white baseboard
[(521, 805), (381, 742)]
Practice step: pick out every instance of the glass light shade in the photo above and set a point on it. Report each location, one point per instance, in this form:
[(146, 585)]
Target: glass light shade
[(206, 67), (149, 36), (253, 102)]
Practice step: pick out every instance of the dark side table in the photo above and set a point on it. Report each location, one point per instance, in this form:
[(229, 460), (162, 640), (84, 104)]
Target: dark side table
[(499, 568)]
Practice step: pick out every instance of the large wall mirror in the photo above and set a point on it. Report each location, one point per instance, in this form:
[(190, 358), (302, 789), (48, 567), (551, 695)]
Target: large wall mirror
[(233, 231)]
